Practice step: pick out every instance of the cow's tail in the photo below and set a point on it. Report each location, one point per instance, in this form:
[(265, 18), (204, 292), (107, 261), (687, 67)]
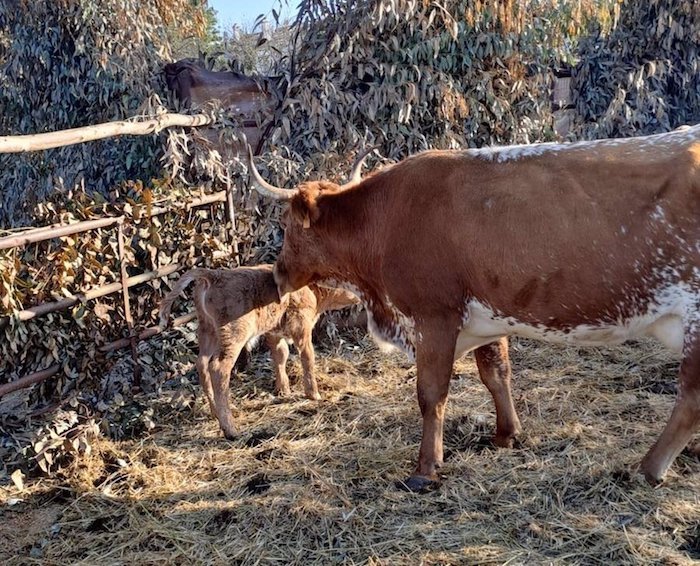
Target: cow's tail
[(166, 303)]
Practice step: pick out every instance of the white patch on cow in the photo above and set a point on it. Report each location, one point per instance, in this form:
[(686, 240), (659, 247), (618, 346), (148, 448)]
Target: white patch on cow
[(515, 152), (391, 339), (658, 143), (399, 335), (659, 215), (344, 285), (668, 316), (252, 343), (467, 342)]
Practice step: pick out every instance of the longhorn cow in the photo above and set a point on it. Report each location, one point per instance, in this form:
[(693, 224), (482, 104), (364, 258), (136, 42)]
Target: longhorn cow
[(588, 243)]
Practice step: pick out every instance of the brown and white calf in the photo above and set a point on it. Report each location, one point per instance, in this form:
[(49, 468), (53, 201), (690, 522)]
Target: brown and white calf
[(234, 307), (589, 243)]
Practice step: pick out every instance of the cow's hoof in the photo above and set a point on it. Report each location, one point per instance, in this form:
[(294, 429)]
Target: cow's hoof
[(653, 477), (652, 480), (313, 396), (504, 441), (418, 484), (230, 435)]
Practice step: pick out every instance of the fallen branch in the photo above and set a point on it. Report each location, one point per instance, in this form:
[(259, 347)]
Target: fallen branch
[(33, 142)]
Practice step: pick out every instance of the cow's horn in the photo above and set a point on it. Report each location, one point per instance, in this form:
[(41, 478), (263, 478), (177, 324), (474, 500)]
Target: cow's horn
[(262, 186), (356, 173)]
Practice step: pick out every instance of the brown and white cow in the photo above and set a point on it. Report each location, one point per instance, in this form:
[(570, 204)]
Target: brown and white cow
[(588, 243)]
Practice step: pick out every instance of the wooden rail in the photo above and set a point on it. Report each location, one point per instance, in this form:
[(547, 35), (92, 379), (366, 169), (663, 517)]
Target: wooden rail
[(49, 140), (147, 126)]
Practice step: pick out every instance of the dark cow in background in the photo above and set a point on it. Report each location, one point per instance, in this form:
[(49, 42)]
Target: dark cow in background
[(194, 85), (589, 243)]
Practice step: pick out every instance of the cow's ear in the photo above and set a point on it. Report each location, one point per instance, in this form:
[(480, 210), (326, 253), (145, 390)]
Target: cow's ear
[(304, 207)]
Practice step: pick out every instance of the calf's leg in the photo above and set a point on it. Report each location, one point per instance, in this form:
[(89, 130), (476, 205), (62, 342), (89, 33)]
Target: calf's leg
[(685, 417), (205, 380), (279, 352), (208, 342), (220, 369), (494, 370), (308, 361)]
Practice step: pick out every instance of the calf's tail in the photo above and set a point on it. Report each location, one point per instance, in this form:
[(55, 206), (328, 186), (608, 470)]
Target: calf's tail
[(166, 303)]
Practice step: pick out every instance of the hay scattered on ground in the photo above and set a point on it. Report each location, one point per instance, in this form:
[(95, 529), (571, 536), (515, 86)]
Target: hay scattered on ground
[(313, 482)]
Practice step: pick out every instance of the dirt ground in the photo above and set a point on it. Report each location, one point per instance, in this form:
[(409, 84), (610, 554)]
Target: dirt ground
[(314, 482)]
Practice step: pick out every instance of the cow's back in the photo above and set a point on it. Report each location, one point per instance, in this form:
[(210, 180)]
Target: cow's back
[(534, 232)]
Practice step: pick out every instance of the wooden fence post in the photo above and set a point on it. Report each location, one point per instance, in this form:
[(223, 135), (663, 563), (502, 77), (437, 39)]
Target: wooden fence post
[(133, 337)]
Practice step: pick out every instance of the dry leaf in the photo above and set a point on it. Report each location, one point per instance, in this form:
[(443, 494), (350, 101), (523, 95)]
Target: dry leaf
[(17, 478)]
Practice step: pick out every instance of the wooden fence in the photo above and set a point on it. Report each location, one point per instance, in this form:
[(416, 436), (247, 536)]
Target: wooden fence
[(126, 282), (122, 286)]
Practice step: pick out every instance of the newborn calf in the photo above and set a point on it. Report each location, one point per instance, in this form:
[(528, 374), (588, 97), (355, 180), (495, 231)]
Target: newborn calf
[(234, 307)]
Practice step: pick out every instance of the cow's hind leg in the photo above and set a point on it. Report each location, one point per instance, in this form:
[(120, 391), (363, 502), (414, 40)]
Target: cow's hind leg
[(279, 352), (494, 369), (685, 418), (434, 359)]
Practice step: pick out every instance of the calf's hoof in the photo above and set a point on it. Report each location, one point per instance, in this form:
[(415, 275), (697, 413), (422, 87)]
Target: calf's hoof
[(230, 435), (314, 396), (418, 484)]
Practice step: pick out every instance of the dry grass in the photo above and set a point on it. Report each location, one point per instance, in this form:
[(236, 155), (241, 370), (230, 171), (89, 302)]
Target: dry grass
[(313, 482)]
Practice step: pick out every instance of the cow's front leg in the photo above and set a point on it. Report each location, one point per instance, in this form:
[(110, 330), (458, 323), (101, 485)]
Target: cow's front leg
[(435, 350)]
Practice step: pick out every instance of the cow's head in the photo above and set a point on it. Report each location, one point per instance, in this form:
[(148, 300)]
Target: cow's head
[(306, 255)]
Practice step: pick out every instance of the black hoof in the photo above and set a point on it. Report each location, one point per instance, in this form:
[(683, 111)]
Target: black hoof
[(651, 473), (418, 484), (653, 481), (229, 436)]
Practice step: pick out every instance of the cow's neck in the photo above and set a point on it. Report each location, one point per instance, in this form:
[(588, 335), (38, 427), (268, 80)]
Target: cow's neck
[(353, 236)]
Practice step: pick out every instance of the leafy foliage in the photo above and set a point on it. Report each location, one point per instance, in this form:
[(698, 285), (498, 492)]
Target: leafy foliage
[(71, 63), (410, 74), (644, 77)]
